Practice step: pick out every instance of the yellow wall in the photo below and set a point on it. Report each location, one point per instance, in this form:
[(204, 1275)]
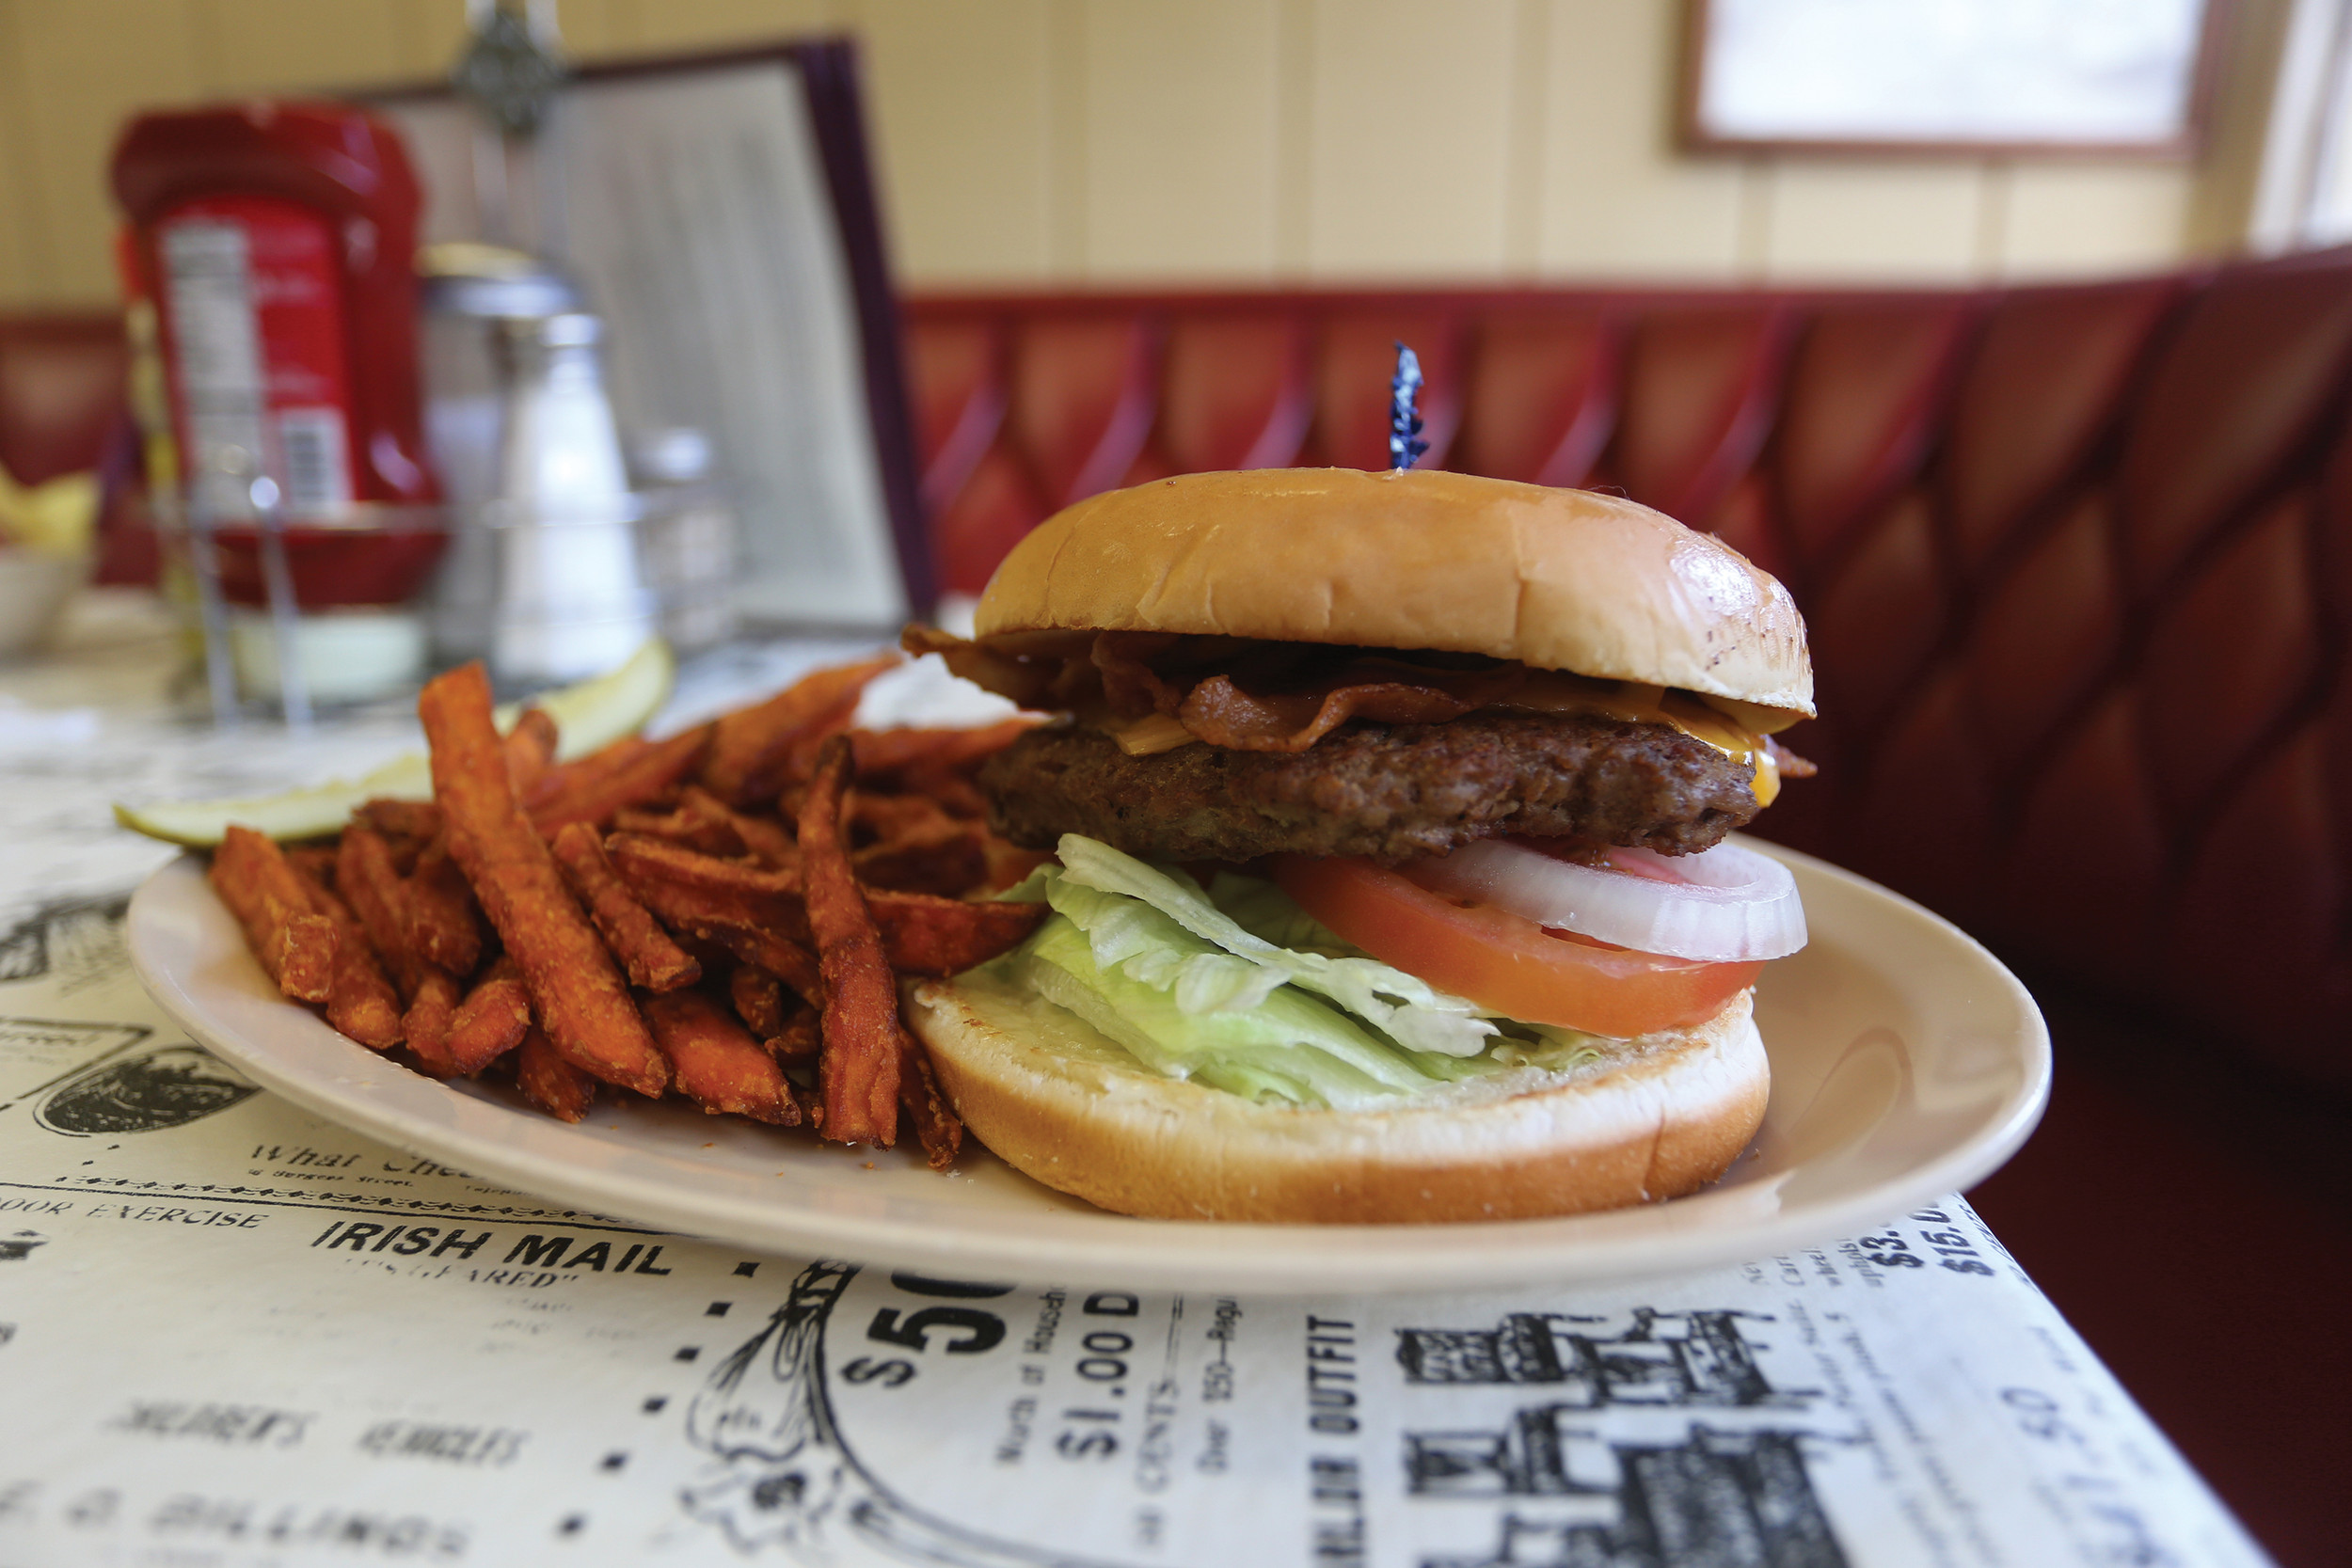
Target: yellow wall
[(1116, 141)]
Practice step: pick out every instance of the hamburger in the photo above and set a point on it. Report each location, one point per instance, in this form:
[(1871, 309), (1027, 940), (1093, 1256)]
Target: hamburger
[(1392, 882)]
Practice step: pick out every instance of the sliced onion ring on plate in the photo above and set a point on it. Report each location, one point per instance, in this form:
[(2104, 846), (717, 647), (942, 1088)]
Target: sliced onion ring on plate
[(1722, 905)]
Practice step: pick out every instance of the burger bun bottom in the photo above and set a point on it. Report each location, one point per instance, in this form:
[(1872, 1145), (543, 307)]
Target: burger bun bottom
[(1658, 1117)]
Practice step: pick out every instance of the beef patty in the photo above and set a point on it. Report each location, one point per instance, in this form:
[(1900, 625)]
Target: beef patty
[(1388, 791)]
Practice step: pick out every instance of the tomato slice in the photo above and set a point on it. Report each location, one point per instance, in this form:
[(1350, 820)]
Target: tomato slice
[(1503, 962)]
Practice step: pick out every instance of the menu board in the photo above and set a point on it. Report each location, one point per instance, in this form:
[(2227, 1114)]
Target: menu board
[(718, 212)]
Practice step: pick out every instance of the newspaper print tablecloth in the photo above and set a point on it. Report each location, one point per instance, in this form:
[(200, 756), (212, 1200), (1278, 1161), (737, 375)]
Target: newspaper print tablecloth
[(233, 1334)]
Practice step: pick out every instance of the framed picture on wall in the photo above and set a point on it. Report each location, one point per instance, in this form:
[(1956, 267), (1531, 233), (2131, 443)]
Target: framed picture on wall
[(1971, 77)]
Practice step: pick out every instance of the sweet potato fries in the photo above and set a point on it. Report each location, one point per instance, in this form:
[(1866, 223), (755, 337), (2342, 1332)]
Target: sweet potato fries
[(723, 915)]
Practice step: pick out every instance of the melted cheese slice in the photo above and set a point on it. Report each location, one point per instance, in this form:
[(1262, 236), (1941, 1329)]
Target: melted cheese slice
[(1151, 733), (1556, 692)]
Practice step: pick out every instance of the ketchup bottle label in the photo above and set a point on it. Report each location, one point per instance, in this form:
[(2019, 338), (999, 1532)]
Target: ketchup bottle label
[(253, 305)]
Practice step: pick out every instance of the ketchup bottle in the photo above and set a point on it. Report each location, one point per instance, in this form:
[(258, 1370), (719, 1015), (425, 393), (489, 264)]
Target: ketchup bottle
[(276, 242)]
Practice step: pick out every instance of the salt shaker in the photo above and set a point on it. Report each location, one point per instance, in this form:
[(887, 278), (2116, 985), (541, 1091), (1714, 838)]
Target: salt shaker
[(572, 598)]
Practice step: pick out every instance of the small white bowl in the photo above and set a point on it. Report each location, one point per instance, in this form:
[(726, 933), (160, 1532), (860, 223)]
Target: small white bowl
[(35, 588)]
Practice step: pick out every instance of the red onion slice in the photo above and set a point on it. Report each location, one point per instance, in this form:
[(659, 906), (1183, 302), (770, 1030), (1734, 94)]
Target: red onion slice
[(1723, 905)]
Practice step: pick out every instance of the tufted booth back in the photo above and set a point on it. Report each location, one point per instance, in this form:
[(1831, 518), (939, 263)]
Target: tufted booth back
[(2077, 560), (60, 392)]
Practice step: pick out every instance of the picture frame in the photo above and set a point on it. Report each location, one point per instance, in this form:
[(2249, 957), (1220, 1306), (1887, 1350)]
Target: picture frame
[(2111, 79)]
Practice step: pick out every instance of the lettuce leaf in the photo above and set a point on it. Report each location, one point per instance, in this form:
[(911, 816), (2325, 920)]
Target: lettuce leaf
[(1144, 944), (1240, 989), (1291, 1043), (1407, 1009), (1268, 913)]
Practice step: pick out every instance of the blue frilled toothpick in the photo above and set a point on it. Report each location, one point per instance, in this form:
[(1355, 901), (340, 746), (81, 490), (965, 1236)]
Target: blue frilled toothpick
[(1405, 443)]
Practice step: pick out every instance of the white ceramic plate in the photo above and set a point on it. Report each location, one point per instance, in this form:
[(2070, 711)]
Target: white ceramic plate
[(1906, 1063)]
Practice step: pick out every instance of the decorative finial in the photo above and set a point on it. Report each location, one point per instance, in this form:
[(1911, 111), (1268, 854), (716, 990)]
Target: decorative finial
[(1405, 443), (510, 70)]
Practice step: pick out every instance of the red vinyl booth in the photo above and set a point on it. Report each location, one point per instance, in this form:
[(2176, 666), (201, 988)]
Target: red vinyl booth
[(2077, 565), (62, 411)]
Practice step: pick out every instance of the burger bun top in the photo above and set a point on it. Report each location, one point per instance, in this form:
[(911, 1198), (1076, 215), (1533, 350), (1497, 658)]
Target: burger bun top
[(1422, 558)]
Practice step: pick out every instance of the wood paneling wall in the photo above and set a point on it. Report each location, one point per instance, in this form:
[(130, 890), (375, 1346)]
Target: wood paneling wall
[(1044, 142)]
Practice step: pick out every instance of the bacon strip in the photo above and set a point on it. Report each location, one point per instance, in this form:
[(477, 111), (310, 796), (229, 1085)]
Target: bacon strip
[(1233, 692), (1280, 697), (1034, 672), (1792, 766), (1222, 714)]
